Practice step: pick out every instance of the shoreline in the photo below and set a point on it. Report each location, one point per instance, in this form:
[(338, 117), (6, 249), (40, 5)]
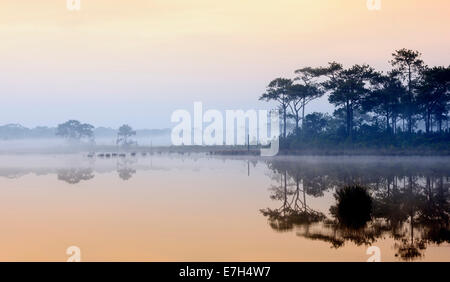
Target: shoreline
[(222, 151)]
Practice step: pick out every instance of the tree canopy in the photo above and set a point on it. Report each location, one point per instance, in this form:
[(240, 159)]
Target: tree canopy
[(123, 135), (75, 130)]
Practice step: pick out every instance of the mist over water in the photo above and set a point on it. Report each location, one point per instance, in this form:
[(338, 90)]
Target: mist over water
[(61, 146)]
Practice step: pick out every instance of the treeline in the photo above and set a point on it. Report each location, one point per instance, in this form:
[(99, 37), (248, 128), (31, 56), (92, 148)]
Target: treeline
[(71, 130), (17, 131), (406, 107)]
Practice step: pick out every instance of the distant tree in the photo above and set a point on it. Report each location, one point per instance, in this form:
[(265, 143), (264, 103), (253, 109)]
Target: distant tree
[(410, 66), (434, 96), (74, 130), (124, 133), (278, 90), (348, 88), (307, 90)]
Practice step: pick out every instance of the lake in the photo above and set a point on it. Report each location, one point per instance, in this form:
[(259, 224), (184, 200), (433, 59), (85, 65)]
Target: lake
[(164, 207)]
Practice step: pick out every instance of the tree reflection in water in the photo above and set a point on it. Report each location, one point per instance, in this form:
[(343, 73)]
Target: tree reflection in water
[(408, 202), (75, 175), (125, 168), (294, 210)]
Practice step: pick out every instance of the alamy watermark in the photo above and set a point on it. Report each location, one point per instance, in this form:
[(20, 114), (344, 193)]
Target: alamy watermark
[(375, 254), (73, 5), (74, 254), (229, 131), (373, 5)]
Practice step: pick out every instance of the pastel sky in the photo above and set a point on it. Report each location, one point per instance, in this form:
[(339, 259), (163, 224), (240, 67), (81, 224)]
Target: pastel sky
[(135, 61)]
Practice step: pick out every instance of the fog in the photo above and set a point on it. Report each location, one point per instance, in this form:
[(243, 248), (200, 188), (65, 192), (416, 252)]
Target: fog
[(59, 145)]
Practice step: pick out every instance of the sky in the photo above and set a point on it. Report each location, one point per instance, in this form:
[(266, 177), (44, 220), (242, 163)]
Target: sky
[(136, 61)]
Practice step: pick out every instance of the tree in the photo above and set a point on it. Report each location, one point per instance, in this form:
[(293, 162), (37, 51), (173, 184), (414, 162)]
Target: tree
[(125, 132), (384, 99), (315, 123), (74, 130), (348, 87), (297, 96), (409, 65), (434, 95), (305, 92), (278, 90)]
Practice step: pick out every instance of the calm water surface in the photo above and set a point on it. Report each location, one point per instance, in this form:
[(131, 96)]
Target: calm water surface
[(200, 208)]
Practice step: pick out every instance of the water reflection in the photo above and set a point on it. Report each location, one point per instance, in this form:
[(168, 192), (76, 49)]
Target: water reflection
[(406, 201), (75, 175), (294, 210), (340, 202), (125, 168)]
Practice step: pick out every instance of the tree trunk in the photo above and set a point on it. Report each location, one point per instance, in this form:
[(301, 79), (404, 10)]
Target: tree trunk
[(431, 123), (284, 122), (297, 122), (348, 118), (303, 113), (409, 109), (350, 121), (387, 122)]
